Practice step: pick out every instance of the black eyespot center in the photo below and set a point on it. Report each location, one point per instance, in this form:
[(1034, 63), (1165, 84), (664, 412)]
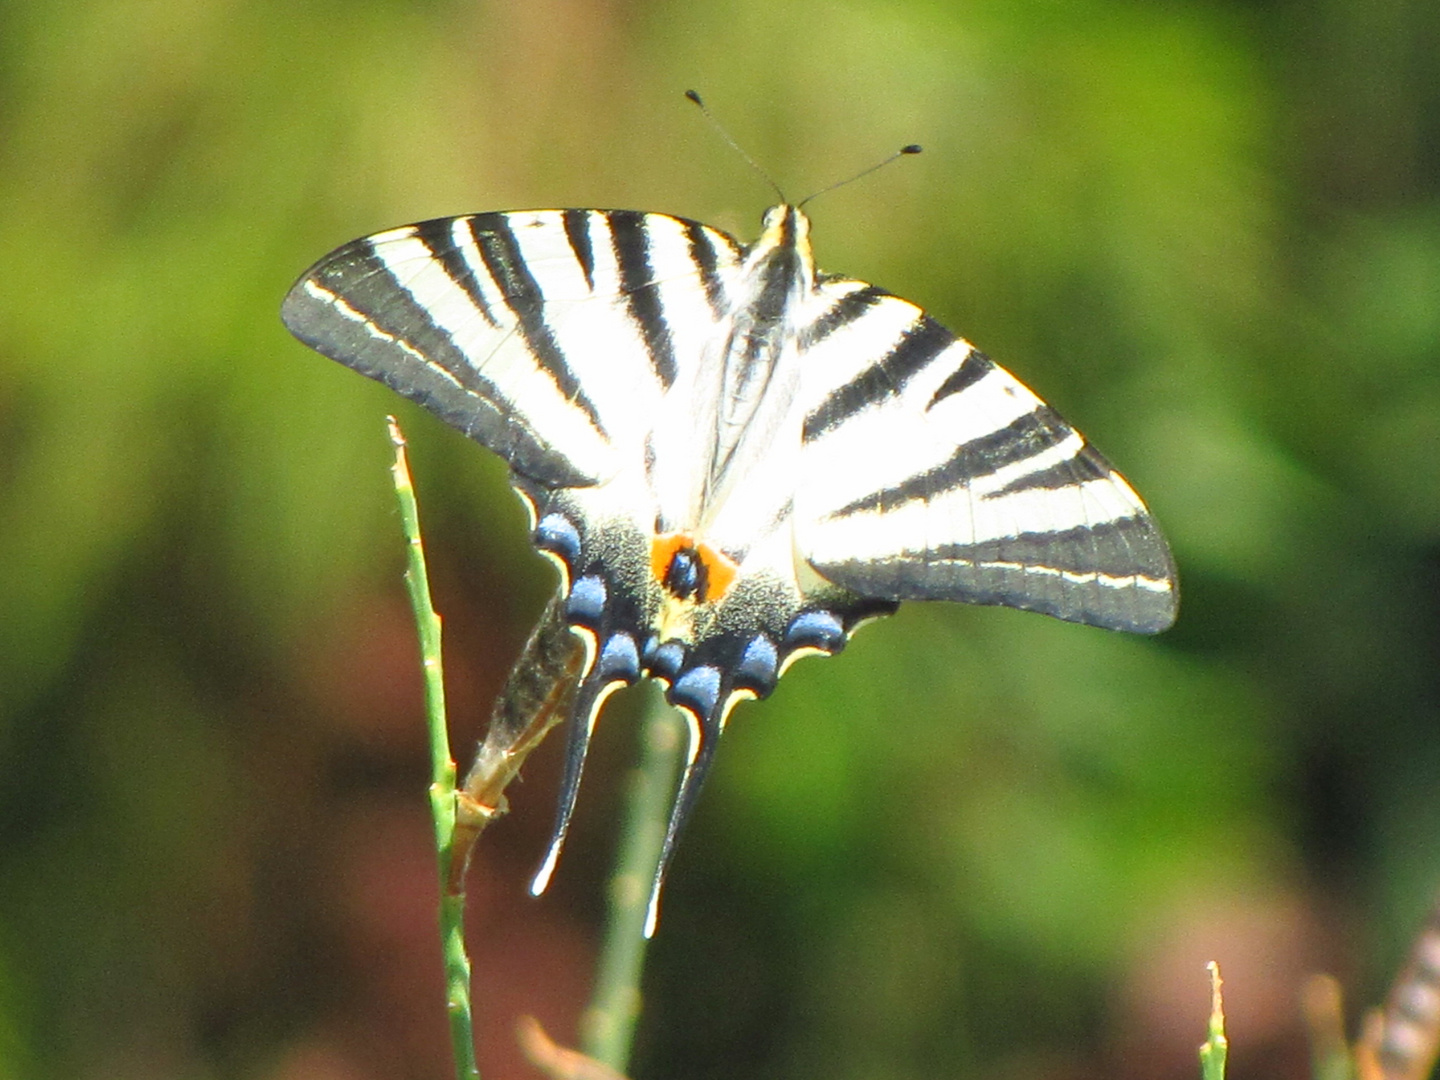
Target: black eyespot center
[(687, 576)]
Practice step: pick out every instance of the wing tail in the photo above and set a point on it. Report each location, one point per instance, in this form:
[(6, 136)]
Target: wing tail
[(703, 736), (589, 698)]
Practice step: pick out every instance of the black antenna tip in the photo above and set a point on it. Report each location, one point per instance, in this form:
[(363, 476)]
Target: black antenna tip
[(693, 96), (913, 148)]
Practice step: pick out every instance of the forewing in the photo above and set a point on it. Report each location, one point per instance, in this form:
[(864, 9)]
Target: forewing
[(548, 335), (929, 473)]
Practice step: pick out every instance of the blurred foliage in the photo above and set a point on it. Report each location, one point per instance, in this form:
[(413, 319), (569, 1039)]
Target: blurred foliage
[(980, 843)]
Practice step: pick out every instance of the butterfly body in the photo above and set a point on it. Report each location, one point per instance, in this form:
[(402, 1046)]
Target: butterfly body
[(732, 459)]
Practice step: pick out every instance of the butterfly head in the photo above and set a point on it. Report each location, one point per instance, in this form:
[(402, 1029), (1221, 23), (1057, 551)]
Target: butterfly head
[(785, 226), (785, 234)]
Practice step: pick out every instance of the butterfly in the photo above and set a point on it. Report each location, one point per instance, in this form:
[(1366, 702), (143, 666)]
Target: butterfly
[(732, 458)]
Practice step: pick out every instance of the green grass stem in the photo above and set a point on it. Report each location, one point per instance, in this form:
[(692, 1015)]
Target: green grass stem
[(1215, 1046), (442, 785)]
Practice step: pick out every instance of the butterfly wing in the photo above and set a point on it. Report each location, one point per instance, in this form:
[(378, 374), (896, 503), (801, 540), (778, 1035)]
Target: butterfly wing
[(549, 336), (930, 473)]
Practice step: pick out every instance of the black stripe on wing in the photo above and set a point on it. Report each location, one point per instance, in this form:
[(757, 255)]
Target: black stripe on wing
[(1021, 439), (972, 369), (1108, 549), (1086, 465), (577, 231), (495, 238), (707, 259), (438, 236), (351, 307), (1117, 574), (846, 310), (631, 241), (883, 379)]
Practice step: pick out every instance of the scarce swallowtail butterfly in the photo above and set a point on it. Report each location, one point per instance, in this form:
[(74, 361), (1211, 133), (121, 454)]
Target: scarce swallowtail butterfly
[(732, 458)]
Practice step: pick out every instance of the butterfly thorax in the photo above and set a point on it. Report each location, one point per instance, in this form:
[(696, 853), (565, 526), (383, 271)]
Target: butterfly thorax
[(732, 428)]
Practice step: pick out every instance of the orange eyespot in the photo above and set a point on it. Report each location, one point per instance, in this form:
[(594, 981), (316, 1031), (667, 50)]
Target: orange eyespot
[(690, 570)]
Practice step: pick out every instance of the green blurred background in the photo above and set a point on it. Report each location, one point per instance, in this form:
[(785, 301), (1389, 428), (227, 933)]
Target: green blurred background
[(979, 843)]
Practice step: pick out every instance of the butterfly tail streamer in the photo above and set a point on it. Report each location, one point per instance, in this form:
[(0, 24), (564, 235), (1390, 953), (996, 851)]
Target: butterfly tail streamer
[(704, 736), (594, 688)]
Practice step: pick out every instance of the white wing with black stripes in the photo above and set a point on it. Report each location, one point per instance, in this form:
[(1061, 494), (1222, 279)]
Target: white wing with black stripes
[(930, 473), (538, 334), (732, 459)]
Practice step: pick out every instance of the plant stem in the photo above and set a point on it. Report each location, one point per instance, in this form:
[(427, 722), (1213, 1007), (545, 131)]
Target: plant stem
[(442, 786), (608, 1026), (1215, 1048)]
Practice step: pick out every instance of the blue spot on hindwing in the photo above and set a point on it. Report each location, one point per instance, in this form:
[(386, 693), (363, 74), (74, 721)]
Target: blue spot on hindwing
[(821, 630), (666, 660), (556, 534), (618, 660), (759, 666), (697, 690), (586, 603)]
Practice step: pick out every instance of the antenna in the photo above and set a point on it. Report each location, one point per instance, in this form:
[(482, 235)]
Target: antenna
[(904, 151), (913, 148), (719, 127)]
